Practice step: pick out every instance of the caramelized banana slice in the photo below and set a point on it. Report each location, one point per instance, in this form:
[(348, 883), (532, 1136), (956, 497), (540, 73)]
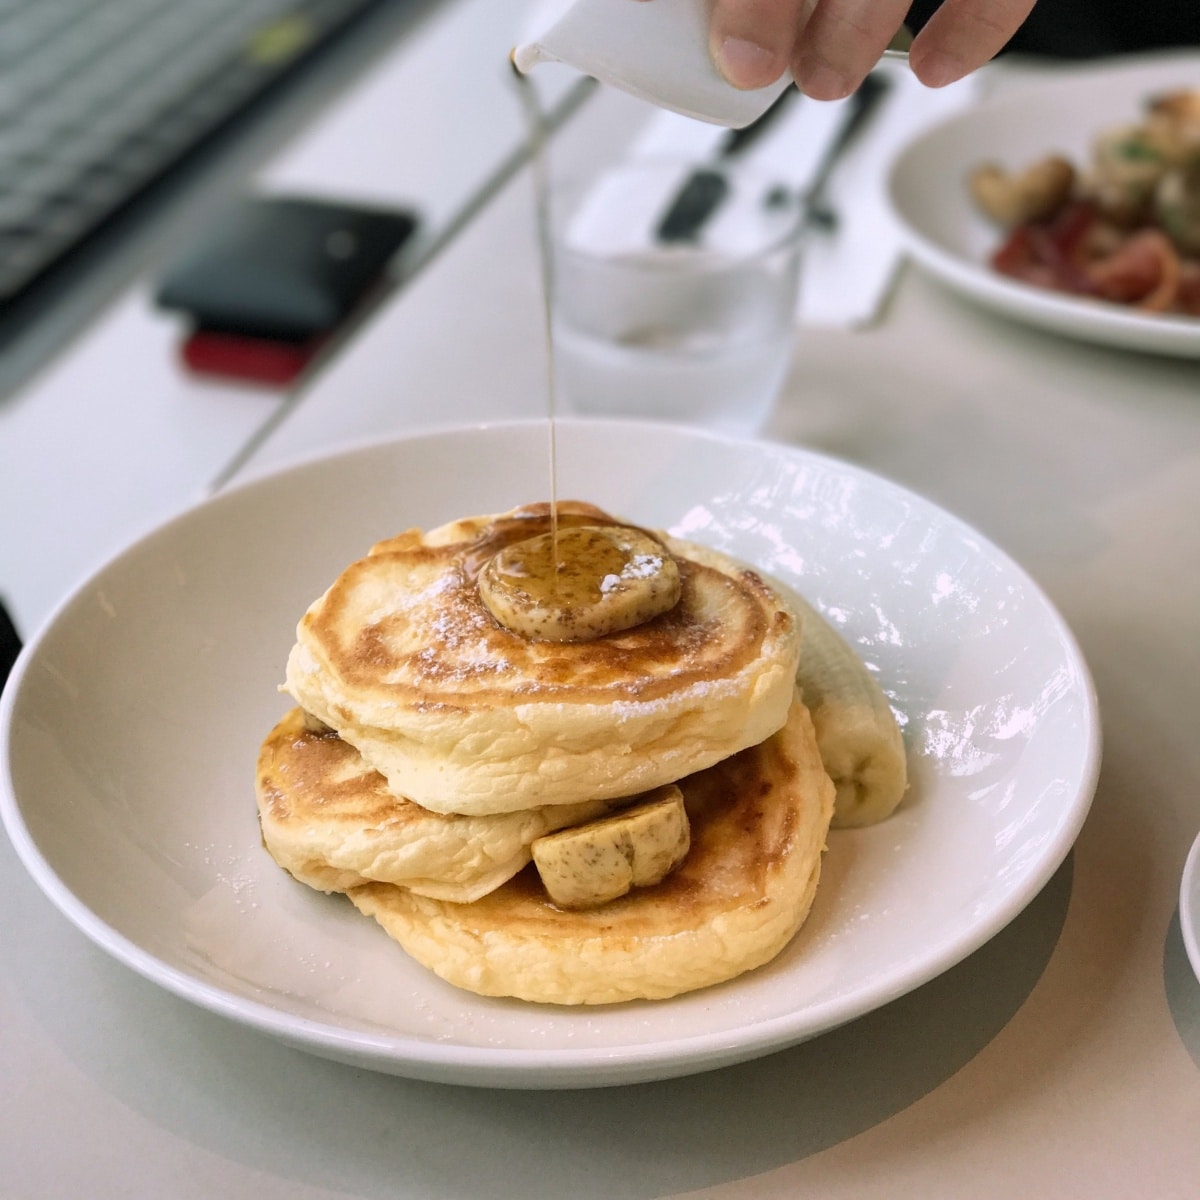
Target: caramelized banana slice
[(606, 578), (601, 860)]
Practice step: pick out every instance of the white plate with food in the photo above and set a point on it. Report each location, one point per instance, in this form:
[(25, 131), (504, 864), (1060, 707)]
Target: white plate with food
[(1189, 906), (948, 235), (133, 720)]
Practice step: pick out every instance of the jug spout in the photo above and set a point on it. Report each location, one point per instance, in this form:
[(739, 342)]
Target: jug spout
[(656, 50), (527, 56)]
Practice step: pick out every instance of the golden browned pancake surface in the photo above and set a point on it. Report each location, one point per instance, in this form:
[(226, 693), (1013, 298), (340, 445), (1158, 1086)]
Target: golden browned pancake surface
[(759, 822), (401, 657), (332, 822)]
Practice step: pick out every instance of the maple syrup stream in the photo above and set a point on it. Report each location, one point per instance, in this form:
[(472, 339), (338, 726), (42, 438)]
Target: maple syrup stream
[(539, 168)]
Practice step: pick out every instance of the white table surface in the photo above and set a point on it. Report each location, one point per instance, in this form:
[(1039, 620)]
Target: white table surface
[(1060, 1060), (430, 128)]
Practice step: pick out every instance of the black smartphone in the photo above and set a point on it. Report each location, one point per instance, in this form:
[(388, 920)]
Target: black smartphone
[(284, 268)]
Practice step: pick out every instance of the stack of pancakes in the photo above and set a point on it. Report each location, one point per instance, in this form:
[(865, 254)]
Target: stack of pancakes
[(432, 746)]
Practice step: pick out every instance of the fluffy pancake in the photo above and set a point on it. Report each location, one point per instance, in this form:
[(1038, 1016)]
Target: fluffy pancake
[(401, 657), (331, 821), (759, 822)]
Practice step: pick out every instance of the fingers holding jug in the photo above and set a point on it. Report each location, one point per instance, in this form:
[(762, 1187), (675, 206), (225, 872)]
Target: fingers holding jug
[(831, 45)]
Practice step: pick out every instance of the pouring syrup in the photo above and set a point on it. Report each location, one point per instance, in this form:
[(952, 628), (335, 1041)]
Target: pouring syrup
[(565, 577), (536, 121)]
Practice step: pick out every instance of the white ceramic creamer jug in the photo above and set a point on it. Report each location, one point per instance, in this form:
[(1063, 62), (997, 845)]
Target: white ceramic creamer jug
[(656, 49)]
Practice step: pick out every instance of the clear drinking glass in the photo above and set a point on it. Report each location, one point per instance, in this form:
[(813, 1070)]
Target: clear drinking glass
[(674, 292)]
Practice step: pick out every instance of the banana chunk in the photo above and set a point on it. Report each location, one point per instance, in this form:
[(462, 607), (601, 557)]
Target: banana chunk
[(604, 578), (858, 736), (601, 860)]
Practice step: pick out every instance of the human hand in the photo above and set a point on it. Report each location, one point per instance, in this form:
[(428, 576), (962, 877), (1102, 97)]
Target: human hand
[(830, 45)]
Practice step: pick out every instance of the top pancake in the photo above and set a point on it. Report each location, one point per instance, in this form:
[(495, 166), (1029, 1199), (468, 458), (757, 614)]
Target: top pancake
[(401, 657)]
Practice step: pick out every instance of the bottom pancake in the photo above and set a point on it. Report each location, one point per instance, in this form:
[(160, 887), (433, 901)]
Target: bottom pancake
[(758, 826)]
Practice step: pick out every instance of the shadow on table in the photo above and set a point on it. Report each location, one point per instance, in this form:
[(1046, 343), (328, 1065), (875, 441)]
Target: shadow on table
[(252, 1101), (1182, 988)]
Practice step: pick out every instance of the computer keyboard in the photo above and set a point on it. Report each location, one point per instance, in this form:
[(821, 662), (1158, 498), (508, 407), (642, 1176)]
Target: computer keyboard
[(100, 98)]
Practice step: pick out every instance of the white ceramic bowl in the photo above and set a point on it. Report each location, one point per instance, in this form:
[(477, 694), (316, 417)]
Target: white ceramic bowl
[(1189, 907), (132, 721), (947, 237)]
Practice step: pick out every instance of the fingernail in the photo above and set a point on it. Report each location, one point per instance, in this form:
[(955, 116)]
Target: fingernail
[(820, 81), (747, 65), (938, 70)]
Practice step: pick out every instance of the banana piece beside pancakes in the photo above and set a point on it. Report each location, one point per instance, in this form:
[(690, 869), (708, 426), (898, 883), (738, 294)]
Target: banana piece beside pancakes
[(587, 865), (858, 736)]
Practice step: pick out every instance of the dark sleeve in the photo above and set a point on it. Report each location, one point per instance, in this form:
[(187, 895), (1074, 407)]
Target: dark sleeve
[(1092, 28)]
